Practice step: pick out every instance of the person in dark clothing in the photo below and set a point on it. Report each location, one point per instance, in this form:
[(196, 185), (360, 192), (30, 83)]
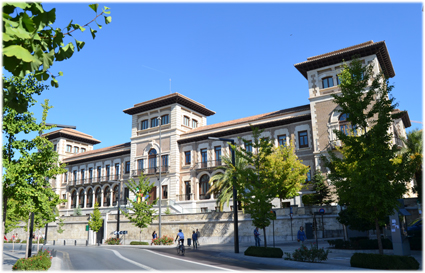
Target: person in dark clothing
[(195, 239)]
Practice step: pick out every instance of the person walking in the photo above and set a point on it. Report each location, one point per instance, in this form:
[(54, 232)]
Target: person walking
[(256, 237), (301, 237), (195, 239), (154, 236), (198, 235)]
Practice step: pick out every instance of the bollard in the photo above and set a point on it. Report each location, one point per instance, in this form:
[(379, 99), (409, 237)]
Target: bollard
[(54, 253), (98, 244), (53, 242), (64, 242), (87, 242), (75, 243)]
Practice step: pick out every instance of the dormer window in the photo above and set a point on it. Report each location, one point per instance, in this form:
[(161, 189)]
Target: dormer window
[(154, 122), (165, 120), (327, 82), (194, 123), (69, 148), (186, 121), (83, 150), (144, 124), (76, 150)]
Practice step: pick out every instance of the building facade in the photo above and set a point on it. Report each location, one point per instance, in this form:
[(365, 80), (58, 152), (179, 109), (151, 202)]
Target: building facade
[(170, 136)]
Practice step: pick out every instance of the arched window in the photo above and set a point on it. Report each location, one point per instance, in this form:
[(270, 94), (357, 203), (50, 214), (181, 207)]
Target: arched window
[(73, 199), (345, 125), (89, 203), (115, 195), (98, 196), (204, 186), (81, 199), (152, 161), (106, 197)]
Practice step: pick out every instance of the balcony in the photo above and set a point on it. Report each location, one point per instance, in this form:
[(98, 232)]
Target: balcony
[(150, 171), (204, 196), (208, 164), (185, 197)]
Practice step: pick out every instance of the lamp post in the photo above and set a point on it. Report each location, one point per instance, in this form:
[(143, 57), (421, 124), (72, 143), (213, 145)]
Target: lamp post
[(235, 195), (57, 126), (160, 187)]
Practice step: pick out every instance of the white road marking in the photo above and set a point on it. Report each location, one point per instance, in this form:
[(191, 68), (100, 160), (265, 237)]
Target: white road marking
[(221, 268), (131, 261)]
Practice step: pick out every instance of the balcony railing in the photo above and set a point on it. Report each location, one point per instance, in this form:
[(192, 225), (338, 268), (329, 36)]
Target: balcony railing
[(185, 197), (208, 164), (154, 170), (204, 196)]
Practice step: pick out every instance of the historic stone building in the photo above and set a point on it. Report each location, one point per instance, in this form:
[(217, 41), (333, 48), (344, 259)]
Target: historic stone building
[(178, 125)]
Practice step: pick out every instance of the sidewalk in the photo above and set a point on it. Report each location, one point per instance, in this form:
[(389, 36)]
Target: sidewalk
[(10, 257)]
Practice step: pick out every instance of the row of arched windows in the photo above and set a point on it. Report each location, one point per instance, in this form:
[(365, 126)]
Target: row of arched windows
[(88, 202)]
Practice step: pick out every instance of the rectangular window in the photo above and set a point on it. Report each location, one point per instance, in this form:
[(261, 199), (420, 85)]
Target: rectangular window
[(164, 163), (281, 140), (248, 146), (154, 122), (144, 124), (83, 150), (76, 149), (165, 120), (140, 164), (186, 121), (126, 195), (117, 171), (75, 176), (308, 179), (82, 176), (54, 147), (338, 80), (217, 151), (302, 138), (194, 123), (204, 209), (165, 192), (327, 82), (187, 158), (99, 172), (108, 171), (127, 167), (69, 148), (204, 158), (66, 177), (91, 174)]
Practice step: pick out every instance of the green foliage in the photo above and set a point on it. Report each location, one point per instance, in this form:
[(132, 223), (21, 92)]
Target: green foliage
[(167, 211), (322, 195), (270, 252), (380, 261), (414, 151), (95, 222), (369, 177), (41, 261), (28, 164), (31, 44), (222, 182), (360, 243), (13, 217), (143, 212), (164, 240), (60, 224), (77, 211), (139, 243), (313, 255), (113, 241), (349, 217)]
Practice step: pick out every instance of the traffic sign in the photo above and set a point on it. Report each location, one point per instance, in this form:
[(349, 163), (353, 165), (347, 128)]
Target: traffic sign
[(322, 210), (120, 232)]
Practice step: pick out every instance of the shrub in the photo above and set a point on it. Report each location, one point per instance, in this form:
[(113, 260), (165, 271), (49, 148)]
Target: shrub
[(113, 241), (138, 243), (41, 261), (164, 240), (270, 252), (303, 254), (415, 243), (378, 261)]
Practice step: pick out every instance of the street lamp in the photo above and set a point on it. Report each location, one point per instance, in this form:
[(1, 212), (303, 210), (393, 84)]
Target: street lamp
[(160, 187), (235, 194), (57, 126)]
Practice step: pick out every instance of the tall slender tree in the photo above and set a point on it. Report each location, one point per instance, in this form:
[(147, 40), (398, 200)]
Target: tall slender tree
[(368, 177), (413, 149)]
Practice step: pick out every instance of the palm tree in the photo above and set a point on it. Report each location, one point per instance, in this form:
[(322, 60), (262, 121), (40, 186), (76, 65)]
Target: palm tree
[(222, 182), (414, 149)]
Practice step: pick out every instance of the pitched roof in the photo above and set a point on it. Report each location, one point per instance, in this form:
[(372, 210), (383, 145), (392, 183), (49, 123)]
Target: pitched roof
[(167, 100), (71, 134), (338, 56), (404, 115), (99, 153)]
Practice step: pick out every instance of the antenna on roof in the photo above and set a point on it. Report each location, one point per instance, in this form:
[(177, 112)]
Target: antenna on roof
[(170, 86)]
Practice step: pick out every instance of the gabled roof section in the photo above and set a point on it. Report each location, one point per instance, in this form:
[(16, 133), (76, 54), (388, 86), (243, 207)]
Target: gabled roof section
[(167, 100), (106, 152), (397, 113), (334, 57), (71, 134)]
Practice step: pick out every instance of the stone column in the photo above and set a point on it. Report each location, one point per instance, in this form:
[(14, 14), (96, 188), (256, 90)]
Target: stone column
[(101, 198), (77, 199), (85, 199)]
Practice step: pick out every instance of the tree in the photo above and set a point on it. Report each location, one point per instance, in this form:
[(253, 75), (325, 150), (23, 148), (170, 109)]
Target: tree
[(143, 212), (77, 211), (368, 177), (95, 222), (287, 171), (13, 217), (31, 45), (222, 182), (322, 195), (61, 224), (28, 164), (414, 150)]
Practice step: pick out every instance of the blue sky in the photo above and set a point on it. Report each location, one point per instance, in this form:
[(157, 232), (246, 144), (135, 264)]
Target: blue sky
[(236, 59)]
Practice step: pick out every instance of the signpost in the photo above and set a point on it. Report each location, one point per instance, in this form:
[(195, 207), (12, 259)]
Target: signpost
[(121, 232), (274, 212), (290, 214)]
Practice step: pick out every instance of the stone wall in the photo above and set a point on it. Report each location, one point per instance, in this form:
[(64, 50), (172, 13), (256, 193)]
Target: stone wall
[(215, 227)]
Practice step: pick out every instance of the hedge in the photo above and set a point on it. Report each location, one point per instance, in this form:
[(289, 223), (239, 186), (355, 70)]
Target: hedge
[(382, 261), (138, 243), (41, 261), (257, 251)]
